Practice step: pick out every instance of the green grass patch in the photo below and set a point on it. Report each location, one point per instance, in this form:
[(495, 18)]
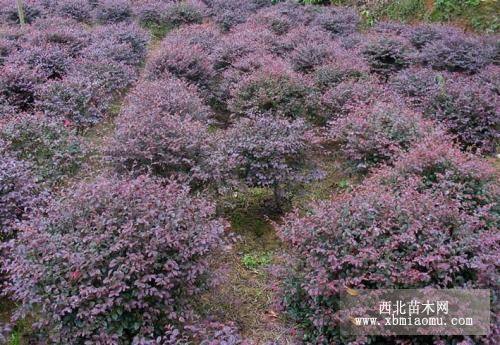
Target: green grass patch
[(256, 260)]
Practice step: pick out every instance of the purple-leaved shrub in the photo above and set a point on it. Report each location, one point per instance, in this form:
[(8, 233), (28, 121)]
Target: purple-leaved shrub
[(422, 35), (306, 56), (186, 12), (119, 261), (124, 43), (387, 55), (51, 60), (338, 21), (167, 97), (176, 57), (79, 10), (334, 72), (470, 110), (229, 13), (53, 150), (18, 193), (417, 84), (112, 11), (275, 88), (266, 151), (456, 52), (73, 98), (344, 98), (429, 221), (9, 13), (18, 85), (156, 141), (377, 134)]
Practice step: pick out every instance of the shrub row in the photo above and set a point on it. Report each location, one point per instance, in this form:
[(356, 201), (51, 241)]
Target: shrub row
[(65, 71)]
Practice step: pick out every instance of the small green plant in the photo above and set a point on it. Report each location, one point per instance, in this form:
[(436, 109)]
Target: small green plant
[(158, 31), (254, 261), (15, 338), (344, 184)]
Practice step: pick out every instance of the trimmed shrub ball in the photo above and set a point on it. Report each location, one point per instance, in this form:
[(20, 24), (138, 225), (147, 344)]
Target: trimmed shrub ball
[(377, 134), (54, 151), (112, 11), (119, 262), (9, 13), (266, 151), (387, 55), (80, 10), (187, 12), (184, 61), (338, 21), (456, 52), (18, 84), (74, 98), (418, 85), (124, 43), (277, 89), (163, 144), (164, 97), (469, 108)]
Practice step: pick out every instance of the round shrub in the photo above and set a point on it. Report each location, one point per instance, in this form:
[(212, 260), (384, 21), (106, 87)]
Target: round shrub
[(469, 108), (390, 28), (273, 19), (188, 62), (6, 47), (377, 134), (387, 55), (74, 98), (119, 260), (109, 77), (307, 36), (161, 143), (48, 59), (229, 13), (239, 44), (53, 150), (112, 11), (164, 97), (18, 192), (391, 232), (335, 72), (338, 20), (456, 53), (187, 12), (490, 75), (80, 10), (18, 85), (265, 151), (67, 35), (277, 89), (422, 35), (307, 56), (417, 84), (150, 12), (347, 96), (124, 43), (205, 35)]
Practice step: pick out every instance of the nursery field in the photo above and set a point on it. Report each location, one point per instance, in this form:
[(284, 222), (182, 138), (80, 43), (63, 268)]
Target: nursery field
[(221, 171)]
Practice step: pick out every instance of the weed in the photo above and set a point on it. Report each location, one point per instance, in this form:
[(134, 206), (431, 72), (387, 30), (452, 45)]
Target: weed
[(254, 261)]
